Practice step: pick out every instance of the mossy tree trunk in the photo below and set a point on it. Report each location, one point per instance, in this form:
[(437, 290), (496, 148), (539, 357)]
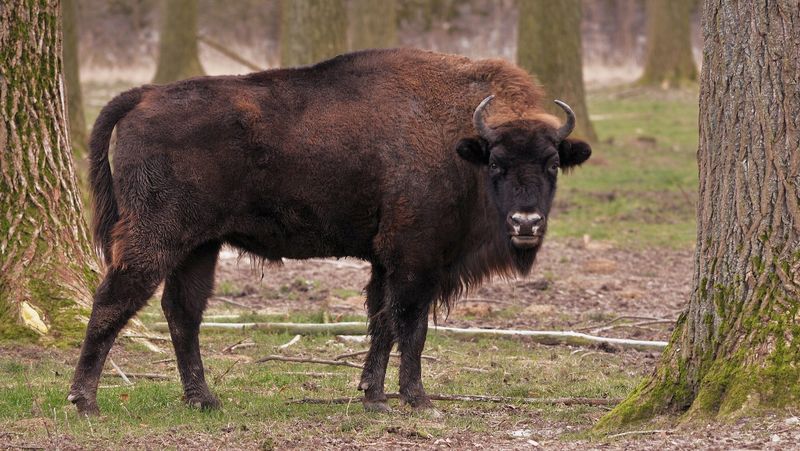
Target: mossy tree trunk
[(549, 46), (373, 24), (177, 47), (47, 266), (312, 30), (668, 59), (737, 348), (76, 118)]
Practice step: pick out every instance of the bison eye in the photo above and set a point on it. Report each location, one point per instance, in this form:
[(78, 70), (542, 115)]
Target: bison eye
[(493, 166), (553, 168)]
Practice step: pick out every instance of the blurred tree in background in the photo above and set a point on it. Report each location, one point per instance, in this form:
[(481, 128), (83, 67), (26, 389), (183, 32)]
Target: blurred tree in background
[(373, 24), (76, 118), (312, 30), (668, 60), (549, 46), (737, 348), (177, 50), (47, 266)]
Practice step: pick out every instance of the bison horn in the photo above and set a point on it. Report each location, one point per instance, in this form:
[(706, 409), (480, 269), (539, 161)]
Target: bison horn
[(478, 120), (568, 126)]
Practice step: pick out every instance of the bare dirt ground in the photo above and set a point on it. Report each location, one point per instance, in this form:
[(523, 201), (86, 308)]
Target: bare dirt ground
[(575, 285)]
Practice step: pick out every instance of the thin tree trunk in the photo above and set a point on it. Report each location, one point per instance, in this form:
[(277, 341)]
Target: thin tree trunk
[(312, 30), (177, 48), (373, 24), (47, 265), (549, 46), (76, 118), (737, 348), (668, 59)]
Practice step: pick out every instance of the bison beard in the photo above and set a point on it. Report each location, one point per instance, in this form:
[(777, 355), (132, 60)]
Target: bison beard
[(378, 155)]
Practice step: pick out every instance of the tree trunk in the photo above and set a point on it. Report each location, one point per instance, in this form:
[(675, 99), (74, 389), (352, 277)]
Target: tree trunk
[(177, 47), (549, 46), (312, 30), (47, 265), (373, 24), (737, 348), (76, 118), (668, 59)]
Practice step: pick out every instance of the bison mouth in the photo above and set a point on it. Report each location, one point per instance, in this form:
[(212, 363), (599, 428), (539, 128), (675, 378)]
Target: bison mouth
[(526, 241)]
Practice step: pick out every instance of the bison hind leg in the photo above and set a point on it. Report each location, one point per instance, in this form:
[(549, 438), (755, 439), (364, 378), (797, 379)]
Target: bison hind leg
[(186, 292)]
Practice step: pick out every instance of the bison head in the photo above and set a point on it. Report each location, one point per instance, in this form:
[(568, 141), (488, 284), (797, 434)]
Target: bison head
[(521, 159)]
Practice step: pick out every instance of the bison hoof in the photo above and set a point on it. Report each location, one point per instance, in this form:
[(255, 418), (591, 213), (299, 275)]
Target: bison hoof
[(377, 406), (86, 407), (204, 402)]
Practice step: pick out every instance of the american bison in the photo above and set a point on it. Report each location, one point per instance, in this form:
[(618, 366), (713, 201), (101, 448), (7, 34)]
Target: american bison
[(438, 170)]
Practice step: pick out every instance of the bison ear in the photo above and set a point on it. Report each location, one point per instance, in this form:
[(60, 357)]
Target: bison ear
[(572, 152), (473, 150)]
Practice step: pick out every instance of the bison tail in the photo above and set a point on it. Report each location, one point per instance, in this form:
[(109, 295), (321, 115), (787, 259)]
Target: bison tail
[(105, 209)]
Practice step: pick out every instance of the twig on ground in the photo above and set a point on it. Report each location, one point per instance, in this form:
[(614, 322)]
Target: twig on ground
[(152, 376), (305, 360), (473, 398), (621, 318), (640, 325), (475, 370), (156, 362), (120, 372), (543, 337), (394, 354), (230, 301), (238, 344), (290, 342), (310, 373), (653, 431), (218, 379)]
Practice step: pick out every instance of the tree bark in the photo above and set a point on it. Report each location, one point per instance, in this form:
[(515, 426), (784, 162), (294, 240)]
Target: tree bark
[(737, 348), (177, 47), (373, 24), (668, 58), (76, 118), (549, 46), (47, 265), (312, 30)]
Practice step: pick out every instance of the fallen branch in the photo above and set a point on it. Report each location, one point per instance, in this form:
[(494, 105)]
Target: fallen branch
[(290, 342), (239, 344), (232, 302), (152, 376), (640, 324), (621, 318), (354, 328), (394, 354), (147, 337), (305, 360), (120, 372), (472, 398)]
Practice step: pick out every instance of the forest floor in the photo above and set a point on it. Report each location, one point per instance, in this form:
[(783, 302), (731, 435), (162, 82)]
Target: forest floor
[(618, 263)]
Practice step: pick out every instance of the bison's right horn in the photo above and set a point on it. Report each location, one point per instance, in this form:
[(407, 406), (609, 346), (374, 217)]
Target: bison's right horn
[(479, 120), (568, 126)]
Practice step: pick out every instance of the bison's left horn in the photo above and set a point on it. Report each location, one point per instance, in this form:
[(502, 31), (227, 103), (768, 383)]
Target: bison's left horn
[(479, 120), (568, 126)]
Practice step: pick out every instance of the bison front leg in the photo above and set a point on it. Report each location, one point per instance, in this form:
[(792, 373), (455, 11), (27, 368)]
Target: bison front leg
[(411, 324), (185, 294), (381, 341)]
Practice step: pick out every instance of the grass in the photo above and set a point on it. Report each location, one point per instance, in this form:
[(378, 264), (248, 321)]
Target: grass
[(639, 189), (255, 395)]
